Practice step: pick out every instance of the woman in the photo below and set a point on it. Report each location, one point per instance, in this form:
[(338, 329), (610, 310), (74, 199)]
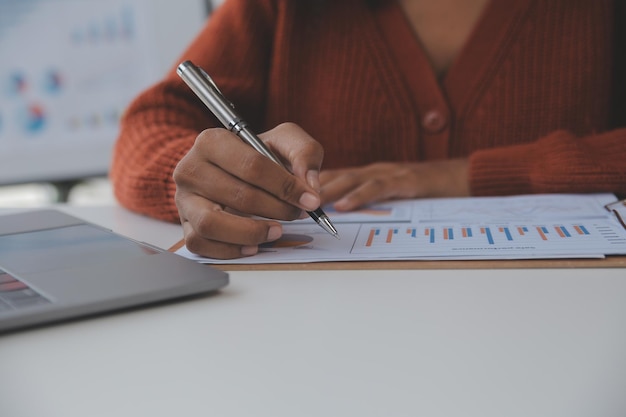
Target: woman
[(374, 100)]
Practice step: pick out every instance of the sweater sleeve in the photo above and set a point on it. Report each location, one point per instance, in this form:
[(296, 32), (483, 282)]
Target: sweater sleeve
[(161, 124), (557, 163), (157, 131)]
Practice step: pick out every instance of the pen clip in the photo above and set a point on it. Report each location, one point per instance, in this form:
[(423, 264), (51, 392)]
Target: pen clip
[(205, 88), (212, 83)]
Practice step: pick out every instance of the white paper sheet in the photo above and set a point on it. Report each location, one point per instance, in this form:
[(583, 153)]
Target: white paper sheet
[(517, 227)]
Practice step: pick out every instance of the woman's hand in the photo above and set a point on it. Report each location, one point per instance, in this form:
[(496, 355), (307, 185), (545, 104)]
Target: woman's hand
[(222, 181), (352, 188)]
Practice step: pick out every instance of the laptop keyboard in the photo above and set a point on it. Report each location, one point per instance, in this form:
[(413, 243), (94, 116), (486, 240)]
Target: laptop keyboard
[(15, 294)]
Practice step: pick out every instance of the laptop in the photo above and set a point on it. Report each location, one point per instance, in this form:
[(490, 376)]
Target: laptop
[(55, 267)]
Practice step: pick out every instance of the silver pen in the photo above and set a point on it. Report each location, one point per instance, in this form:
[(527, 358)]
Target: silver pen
[(206, 90)]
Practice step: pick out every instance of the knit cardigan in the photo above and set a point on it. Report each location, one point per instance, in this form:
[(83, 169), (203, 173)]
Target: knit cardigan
[(530, 99)]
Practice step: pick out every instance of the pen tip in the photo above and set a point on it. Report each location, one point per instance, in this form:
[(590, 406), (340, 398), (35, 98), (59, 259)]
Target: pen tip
[(328, 226)]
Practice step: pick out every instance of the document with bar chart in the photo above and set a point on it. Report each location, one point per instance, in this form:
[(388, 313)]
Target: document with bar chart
[(517, 227)]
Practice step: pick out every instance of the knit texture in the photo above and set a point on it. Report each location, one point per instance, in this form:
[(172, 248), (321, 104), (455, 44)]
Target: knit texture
[(528, 99)]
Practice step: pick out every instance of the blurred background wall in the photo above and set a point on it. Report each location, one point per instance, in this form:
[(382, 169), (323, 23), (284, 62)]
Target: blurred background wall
[(68, 68)]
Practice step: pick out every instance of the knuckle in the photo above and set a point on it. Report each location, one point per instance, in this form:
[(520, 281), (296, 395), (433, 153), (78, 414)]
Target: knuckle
[(207, 137), (239, 196), (377, 184), (186, 170), (209, 143), (252, 163), (181, 173), (288, 188), (313, 147), (288, 126), (351, 176), (194, 243), (184, 202), (205, 223), (179, 197)]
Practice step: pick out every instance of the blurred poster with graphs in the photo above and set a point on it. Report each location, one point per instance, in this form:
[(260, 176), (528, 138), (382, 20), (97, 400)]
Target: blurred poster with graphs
[(68, 69)]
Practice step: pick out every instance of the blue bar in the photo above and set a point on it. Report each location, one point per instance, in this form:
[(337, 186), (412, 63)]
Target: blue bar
[(508, 234), (432, 235), (377, 232), (469, 232), (585, 231), (489, 237), (450, 234), (565, 232), (544, 229), (414, 233)]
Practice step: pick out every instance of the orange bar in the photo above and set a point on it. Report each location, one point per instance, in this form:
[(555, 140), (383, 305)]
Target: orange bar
[(370, 238), (389, 235), (520, 230), (559, 231), (445, 233), (579, 230), (482, 230), (426, 232), (543, 235), (464, 232)]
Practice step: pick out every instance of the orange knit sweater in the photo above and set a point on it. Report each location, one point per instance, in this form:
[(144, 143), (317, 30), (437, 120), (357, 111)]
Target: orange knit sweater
[(528, 100)]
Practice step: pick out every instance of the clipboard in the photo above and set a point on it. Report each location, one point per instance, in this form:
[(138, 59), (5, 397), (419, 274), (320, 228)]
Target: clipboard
[(618, 208)]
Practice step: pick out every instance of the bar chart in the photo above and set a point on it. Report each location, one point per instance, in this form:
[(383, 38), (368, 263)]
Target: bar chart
[(412, 239)]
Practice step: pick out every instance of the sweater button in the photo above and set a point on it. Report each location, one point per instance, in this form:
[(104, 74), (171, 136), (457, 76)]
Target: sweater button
[(434, 121)]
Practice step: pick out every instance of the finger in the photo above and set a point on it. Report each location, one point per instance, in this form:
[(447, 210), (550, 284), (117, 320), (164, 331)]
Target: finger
[(372, 191), (214, 249), (353, 188), (300, 153), (211, 221), (244, 163), (238, 195), (336, 184), (211, 231), (329, 175)]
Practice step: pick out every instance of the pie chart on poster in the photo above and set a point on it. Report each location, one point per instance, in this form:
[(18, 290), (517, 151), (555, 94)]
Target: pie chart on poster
[(288, 241), (15, 84), (32, 118), (52, 82)]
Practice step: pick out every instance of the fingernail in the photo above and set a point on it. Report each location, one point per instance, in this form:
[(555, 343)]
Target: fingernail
[(274, 233), (313, 178), (309, 201), (249, 250)]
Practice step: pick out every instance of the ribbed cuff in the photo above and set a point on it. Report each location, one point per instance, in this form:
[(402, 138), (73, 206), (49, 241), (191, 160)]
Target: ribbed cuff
[(502, 171)]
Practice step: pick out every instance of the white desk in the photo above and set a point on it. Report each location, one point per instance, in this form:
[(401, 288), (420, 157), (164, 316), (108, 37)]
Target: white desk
[(475, 343)]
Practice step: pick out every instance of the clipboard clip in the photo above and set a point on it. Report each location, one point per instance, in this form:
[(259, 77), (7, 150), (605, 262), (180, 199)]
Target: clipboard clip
[(618, 208)]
